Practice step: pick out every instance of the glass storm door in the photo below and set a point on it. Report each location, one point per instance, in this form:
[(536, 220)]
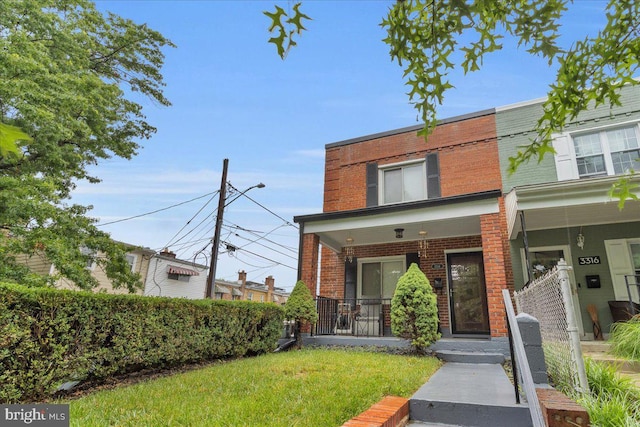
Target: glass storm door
[(467, 294)]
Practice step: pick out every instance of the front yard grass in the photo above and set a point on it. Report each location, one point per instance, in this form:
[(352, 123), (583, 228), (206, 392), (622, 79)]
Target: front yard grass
[(310, 387)]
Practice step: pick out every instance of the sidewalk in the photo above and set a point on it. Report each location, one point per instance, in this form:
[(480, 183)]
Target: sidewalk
[(468, 394)]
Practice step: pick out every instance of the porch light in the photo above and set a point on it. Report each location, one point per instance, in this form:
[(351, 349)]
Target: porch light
[(580, 239), (423, 244), (399, 232), (348, 250)]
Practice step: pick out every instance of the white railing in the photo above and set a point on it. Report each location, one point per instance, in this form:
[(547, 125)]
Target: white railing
[(549, 300)]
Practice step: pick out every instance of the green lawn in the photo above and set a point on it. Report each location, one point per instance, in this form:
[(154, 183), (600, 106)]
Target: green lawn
[(311, 387)]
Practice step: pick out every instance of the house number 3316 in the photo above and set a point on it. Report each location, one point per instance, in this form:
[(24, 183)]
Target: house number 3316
[(588, 260)]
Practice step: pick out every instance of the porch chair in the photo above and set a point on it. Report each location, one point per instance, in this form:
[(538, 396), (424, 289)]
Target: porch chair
[(343, 319), (367, 321)]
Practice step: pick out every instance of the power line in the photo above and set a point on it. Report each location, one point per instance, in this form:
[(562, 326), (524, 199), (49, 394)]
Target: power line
[(264, 237), (264, 257), (189, 222), (156, 211), (272, 212), (264, 246)]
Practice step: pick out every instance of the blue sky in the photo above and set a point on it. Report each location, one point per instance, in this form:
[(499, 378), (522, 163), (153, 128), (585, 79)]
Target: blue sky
[(234, 98)]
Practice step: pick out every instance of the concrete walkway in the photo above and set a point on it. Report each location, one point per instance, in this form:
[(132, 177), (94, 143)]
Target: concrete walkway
[(468, 394)]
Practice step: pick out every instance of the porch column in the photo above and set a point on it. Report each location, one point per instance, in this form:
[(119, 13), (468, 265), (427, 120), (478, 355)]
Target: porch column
[(309, 261), (495, 270)]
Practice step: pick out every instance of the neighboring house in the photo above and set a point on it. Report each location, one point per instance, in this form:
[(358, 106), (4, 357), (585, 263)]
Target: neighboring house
[(449, 205), (250, 291), (138, 259), (392, 199), (172, 277), (562, 205)]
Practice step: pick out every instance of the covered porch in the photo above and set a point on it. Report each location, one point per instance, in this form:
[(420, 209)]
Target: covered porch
[(351, 261), (578, 221)]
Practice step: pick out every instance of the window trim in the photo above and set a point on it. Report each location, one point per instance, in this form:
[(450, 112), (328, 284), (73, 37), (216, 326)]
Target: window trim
[(604, 145), (401, 165)]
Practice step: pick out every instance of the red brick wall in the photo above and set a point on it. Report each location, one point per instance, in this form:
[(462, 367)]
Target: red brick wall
[(496, 261), (332, 275), (309, 274), (469, 161)]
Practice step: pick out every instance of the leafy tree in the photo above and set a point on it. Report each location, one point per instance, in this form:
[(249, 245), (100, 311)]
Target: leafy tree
[(414, 310), (69, 78), (300, 308), (425, 37)]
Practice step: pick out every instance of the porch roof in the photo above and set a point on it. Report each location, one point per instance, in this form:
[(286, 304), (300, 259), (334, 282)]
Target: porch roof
[(568, 204), (444, 217)]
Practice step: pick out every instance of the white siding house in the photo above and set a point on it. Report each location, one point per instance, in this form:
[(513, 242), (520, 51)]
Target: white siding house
[(171, 277)]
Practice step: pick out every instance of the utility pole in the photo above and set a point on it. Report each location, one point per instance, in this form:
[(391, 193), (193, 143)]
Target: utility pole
[(216, 236)]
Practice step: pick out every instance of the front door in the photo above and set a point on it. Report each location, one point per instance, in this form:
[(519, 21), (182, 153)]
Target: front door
[(467, 294)]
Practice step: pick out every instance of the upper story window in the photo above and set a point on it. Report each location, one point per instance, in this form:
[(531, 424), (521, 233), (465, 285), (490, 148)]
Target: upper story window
[(91, 257), (131, 260), (607, 152), (403, 183)]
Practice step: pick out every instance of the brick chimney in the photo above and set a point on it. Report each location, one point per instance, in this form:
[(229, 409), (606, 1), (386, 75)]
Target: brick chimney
[(270, 283), (242, 280), (167, 253)]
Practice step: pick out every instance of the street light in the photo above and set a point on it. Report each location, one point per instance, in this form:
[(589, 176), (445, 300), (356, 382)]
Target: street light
[(222, 203)]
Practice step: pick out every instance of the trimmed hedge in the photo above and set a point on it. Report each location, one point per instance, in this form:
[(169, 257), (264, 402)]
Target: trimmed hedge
[(49, 336)]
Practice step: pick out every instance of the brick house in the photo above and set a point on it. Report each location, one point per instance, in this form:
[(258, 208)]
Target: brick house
[(243, 289), (392, 199)]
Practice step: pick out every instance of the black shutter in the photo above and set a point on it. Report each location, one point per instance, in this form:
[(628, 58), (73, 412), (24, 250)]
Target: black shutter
[(413, 257), (372, 184), (433, 176), (350, 280)]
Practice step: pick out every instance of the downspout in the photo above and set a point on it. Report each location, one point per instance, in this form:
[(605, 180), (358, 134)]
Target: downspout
[(300, 251), (526, 246)]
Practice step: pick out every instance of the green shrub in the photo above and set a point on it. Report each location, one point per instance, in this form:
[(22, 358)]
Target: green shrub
[(612, 400), (414, 310), (48, 336), (300, 308), (625, 339)]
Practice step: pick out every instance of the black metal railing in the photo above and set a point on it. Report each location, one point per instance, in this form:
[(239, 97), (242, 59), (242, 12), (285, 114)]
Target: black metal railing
[(360, 317)]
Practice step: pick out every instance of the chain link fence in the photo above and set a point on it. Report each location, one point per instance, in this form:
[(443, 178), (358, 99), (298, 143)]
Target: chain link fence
[(548, 299)]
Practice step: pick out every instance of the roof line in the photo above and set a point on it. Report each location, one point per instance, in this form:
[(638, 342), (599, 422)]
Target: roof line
[(413, 128), (376, 210)]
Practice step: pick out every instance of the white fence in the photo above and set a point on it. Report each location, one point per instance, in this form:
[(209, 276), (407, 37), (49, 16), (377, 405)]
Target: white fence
[(548, 299)]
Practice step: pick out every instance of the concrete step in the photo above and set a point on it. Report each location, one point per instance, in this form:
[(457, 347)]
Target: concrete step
[(622, 365), (595, 346), (470, 356), (467, 394)]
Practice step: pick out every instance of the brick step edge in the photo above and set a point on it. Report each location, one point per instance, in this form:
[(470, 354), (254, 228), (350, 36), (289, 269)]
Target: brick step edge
[(391, 411), (561, 411)]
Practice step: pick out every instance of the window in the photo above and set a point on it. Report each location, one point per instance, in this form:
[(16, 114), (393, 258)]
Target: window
[(219, 295), (131, 260), (91, 257), (250, 296), (178, 277), (403, 183), (378, 279), (607, 152)]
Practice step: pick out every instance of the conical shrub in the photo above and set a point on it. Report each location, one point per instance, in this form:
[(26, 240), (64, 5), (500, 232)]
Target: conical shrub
[(414, 310)]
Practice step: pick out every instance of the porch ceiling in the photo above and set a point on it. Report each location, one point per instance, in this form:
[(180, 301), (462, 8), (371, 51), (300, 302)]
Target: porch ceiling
[(440, 220), (567, 204)]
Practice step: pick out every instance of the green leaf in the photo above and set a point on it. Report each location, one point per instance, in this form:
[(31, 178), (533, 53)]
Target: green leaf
[(10, 136)]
